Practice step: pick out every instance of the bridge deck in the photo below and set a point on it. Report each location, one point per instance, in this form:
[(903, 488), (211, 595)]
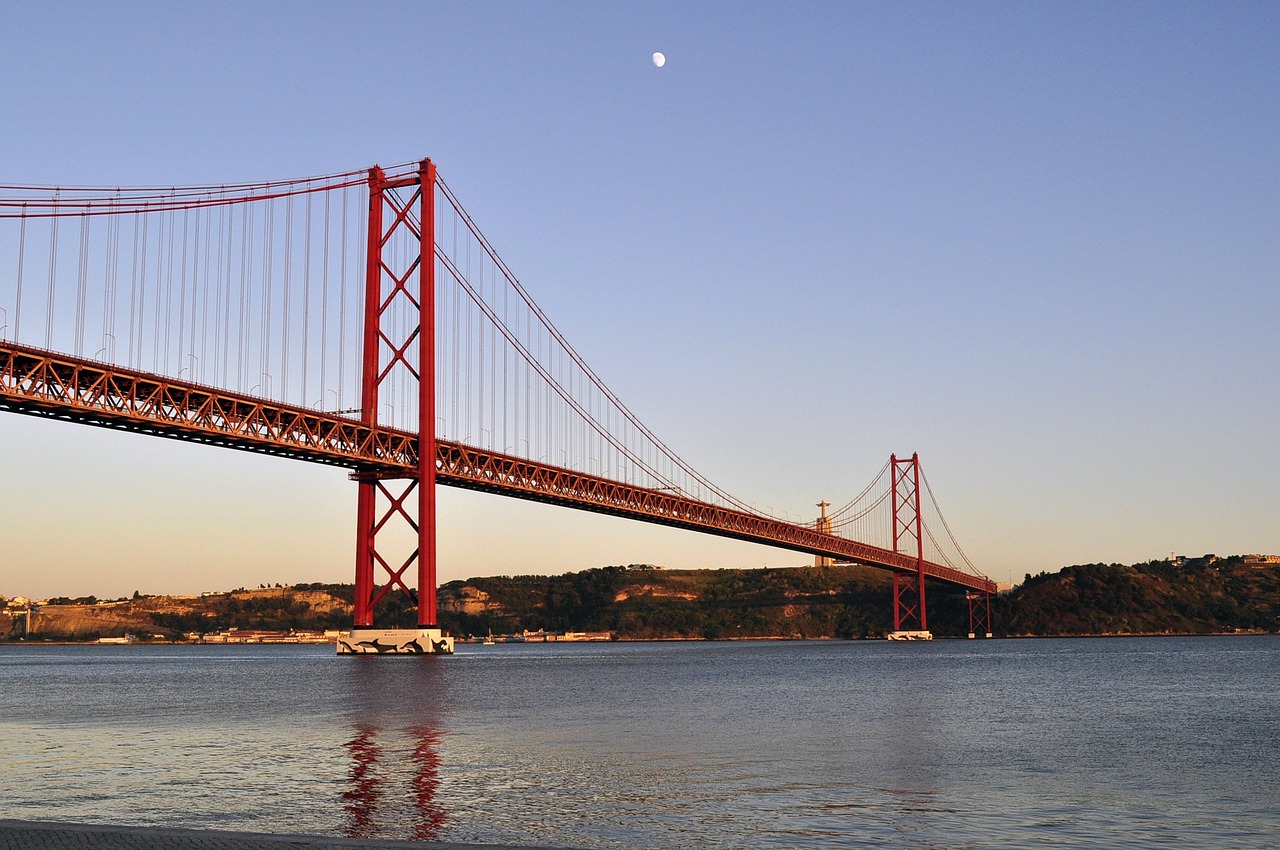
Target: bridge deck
[(43, 383)]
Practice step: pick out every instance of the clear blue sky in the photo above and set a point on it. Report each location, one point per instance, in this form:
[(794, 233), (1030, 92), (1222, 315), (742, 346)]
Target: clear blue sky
[(1038, 243)]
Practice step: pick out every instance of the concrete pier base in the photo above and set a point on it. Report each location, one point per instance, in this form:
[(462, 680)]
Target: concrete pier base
[(910, 635), (395, 642)]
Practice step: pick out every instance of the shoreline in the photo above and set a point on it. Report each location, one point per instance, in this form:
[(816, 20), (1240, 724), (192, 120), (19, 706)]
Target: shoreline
[(53, 835), (1100, 636)]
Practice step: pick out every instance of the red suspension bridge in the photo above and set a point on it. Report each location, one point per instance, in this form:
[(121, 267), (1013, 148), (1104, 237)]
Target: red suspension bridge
[(363, 320)]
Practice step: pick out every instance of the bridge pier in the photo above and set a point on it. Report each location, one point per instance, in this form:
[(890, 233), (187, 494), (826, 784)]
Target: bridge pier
[(396, 642), (908, 588), (399, 345), (909, 619), (979, 613)]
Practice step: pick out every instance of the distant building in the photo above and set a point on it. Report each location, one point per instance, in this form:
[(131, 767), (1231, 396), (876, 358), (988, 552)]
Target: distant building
[(823, 525), (235, 635), (542, 636), (1261, 560)]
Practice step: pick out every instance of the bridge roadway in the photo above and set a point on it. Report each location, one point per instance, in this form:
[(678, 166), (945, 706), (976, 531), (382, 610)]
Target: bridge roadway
[(45, 383)]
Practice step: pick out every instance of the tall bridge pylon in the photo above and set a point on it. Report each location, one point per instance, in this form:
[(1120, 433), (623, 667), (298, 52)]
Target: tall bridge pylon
[(399, 283), (909, 614)]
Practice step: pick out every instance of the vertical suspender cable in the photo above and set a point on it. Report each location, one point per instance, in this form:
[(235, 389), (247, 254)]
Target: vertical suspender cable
[(77, 335), (482, 327), (182, 288), (246, 252), (204, 301), (493, 361), (165, 365), (22, 255), (268, 258), (469, 357), (222, 299), (82, 283), (159, 326), (108, 282), (187, 346), (505, 353), (342, 307), (284, 311), (306, 300), (452, 371), (133, 285), (53, 277), (140, 307), (324, 298)]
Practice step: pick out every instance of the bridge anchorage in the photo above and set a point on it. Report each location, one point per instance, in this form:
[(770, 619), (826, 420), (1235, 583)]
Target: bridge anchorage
[(362, 320)]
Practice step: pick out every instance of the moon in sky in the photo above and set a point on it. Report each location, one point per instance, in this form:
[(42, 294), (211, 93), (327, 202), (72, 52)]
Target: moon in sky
[(659, 59)]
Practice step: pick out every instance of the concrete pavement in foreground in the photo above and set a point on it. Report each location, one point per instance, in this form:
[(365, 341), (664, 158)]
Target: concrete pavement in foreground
[(43, 835)]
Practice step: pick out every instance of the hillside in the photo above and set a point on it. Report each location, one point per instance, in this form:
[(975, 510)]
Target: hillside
[(315, 607), (1195, 596), (644, 602), (638, 602), (1191, 596)]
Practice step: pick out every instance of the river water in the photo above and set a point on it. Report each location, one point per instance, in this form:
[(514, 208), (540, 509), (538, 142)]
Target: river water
[(1115, 743)]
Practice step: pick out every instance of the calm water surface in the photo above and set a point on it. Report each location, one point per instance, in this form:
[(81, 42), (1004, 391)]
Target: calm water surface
[(1143, 742)]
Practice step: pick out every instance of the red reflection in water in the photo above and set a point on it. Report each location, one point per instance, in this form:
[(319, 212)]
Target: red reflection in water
[(362, 799), (366, 796), (426, 782)]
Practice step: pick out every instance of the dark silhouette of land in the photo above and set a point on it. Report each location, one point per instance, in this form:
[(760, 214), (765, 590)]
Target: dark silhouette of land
[(1206, 595)]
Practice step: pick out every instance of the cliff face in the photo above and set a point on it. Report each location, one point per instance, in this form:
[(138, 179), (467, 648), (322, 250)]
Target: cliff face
[(77, 622), (302, 607), (468, 601)]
